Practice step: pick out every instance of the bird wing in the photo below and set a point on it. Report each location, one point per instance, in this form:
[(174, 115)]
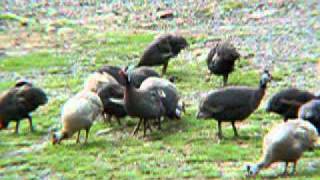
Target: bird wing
[(10, 101), (229, 99), (117, 92), (301, 133), (117, 101), (211, 54), (291, 102)]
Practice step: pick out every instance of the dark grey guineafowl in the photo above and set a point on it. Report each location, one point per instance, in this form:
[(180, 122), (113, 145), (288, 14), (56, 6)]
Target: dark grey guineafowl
[(18, 102), (221, 60), (161, 50), (311, 112), (106, 93), (143, 104), (173, 108), (114, 72), (288, 101), (138, 75), (232, 104)]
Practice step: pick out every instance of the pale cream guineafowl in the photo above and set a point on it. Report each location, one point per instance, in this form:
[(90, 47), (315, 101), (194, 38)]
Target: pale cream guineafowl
[(286, 142), (78, 114)]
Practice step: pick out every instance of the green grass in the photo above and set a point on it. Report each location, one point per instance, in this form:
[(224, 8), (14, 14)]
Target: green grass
[(187, 148), (5, 85), (13, 17), (31, 62)]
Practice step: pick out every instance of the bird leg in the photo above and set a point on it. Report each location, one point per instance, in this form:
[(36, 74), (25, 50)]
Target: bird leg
[(78, 137), (164, 68), (136, 129), (208, 76), (159, 124), (144, 127), (294, 168), (219, 130), (87, 135), (225, 79), (234, 129), (17, 127), (107, 117), (285, 172), (30, 123), (118, 120), (149, 126)]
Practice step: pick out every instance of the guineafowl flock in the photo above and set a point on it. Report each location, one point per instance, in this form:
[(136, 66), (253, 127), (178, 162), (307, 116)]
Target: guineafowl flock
[(140, 92)]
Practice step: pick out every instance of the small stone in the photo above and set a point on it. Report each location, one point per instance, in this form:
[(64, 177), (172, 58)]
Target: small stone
[(104, 131), (165, 14)]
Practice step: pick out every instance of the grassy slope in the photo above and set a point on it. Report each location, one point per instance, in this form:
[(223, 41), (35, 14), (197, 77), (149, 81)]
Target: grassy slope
[(186, 148)]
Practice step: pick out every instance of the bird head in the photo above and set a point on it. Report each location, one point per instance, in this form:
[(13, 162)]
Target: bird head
[(3, 124), (252, 170), (126, 73), (178, 43), (23, 82), (266, 77), (57, 137)]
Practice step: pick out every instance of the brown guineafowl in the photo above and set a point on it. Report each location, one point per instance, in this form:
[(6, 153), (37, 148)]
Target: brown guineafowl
[(286, 142), (106, 93), (311, 112), (173, 108), (18, 102), (78, 114), (143, 104), (221, 60), (232, 104), (161, 50), (288, 101), (138, 75)]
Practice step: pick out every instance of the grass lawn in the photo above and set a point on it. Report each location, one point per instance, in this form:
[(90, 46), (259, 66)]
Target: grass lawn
[(186, 148)]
